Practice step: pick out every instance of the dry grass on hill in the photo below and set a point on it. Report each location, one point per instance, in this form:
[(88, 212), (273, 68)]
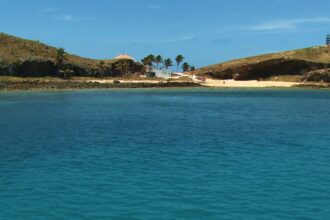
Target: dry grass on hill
[(294, 62), (320, 54), (14, 49)]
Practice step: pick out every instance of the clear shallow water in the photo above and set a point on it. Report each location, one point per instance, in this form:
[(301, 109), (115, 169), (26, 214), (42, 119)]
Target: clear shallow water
[(165, 154)]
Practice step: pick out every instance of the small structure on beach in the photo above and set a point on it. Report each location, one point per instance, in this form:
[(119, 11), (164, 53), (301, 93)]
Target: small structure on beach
[(327, 41), (159, 73), (163, 73)]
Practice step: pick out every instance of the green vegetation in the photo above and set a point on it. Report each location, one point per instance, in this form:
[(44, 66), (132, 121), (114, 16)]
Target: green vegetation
[(151, 59), (168, 63), (60, 56), (185, 67), (102, 69), (123, 67), (148, 60), (179, 59), (59, 63), (158, 60)]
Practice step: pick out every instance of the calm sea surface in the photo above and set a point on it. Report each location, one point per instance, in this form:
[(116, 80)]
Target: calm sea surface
[(165, 154)]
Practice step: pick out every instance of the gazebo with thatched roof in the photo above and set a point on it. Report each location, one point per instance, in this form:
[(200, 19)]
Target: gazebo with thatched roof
[(124, 57)]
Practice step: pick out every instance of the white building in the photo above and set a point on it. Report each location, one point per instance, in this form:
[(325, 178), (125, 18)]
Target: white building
[(159, 73), (162, 73)]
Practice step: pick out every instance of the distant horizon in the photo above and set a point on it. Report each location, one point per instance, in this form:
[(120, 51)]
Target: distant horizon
[(205, 33)]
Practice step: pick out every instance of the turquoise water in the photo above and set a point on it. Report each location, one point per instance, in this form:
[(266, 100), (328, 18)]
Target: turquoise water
[(165, 154)]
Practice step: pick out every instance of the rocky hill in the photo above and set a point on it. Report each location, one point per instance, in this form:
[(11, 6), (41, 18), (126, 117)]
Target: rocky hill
[(21, 57), (297, 62)]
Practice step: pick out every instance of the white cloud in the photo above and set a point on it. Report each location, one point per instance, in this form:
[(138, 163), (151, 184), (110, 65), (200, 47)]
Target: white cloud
[(272, 26), (186, 38), (57, 14), (70, 17), (179, 39), (285, 25)]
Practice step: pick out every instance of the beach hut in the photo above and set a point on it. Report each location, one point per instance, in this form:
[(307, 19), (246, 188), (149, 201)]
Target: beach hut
[(163, 73), (159, 73)]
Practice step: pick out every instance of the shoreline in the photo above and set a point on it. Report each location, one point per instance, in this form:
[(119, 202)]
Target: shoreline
[(73, 85), (248, 84), (231, 84), (54, 84)]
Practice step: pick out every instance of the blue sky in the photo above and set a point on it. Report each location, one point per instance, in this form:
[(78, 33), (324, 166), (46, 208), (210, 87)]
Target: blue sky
[(205, 32)]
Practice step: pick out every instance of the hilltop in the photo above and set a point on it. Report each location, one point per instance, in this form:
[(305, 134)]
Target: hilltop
[(13, 49), (301, 62), (35, 57)]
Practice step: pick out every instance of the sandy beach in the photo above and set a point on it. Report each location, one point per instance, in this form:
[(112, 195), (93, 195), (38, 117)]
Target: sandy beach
[(247, 84)]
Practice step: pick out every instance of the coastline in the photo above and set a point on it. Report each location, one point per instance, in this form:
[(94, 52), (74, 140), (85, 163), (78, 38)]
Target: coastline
[(213, 83), (75, 85), (54, 84)]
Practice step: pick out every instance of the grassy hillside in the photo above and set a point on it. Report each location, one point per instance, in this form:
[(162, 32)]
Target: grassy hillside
[(297, 62), (21, 57), (13, 49)]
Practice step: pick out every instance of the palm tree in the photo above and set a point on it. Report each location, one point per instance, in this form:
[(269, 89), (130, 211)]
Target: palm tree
[(179, 60), (102, 68), (151, 57), (148, 60), (60, 56), (168, 62), (145, 61), (185, 67), (158, 60)]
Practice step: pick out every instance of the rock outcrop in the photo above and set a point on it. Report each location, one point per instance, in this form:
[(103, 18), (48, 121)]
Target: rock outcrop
[(321, 75)]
